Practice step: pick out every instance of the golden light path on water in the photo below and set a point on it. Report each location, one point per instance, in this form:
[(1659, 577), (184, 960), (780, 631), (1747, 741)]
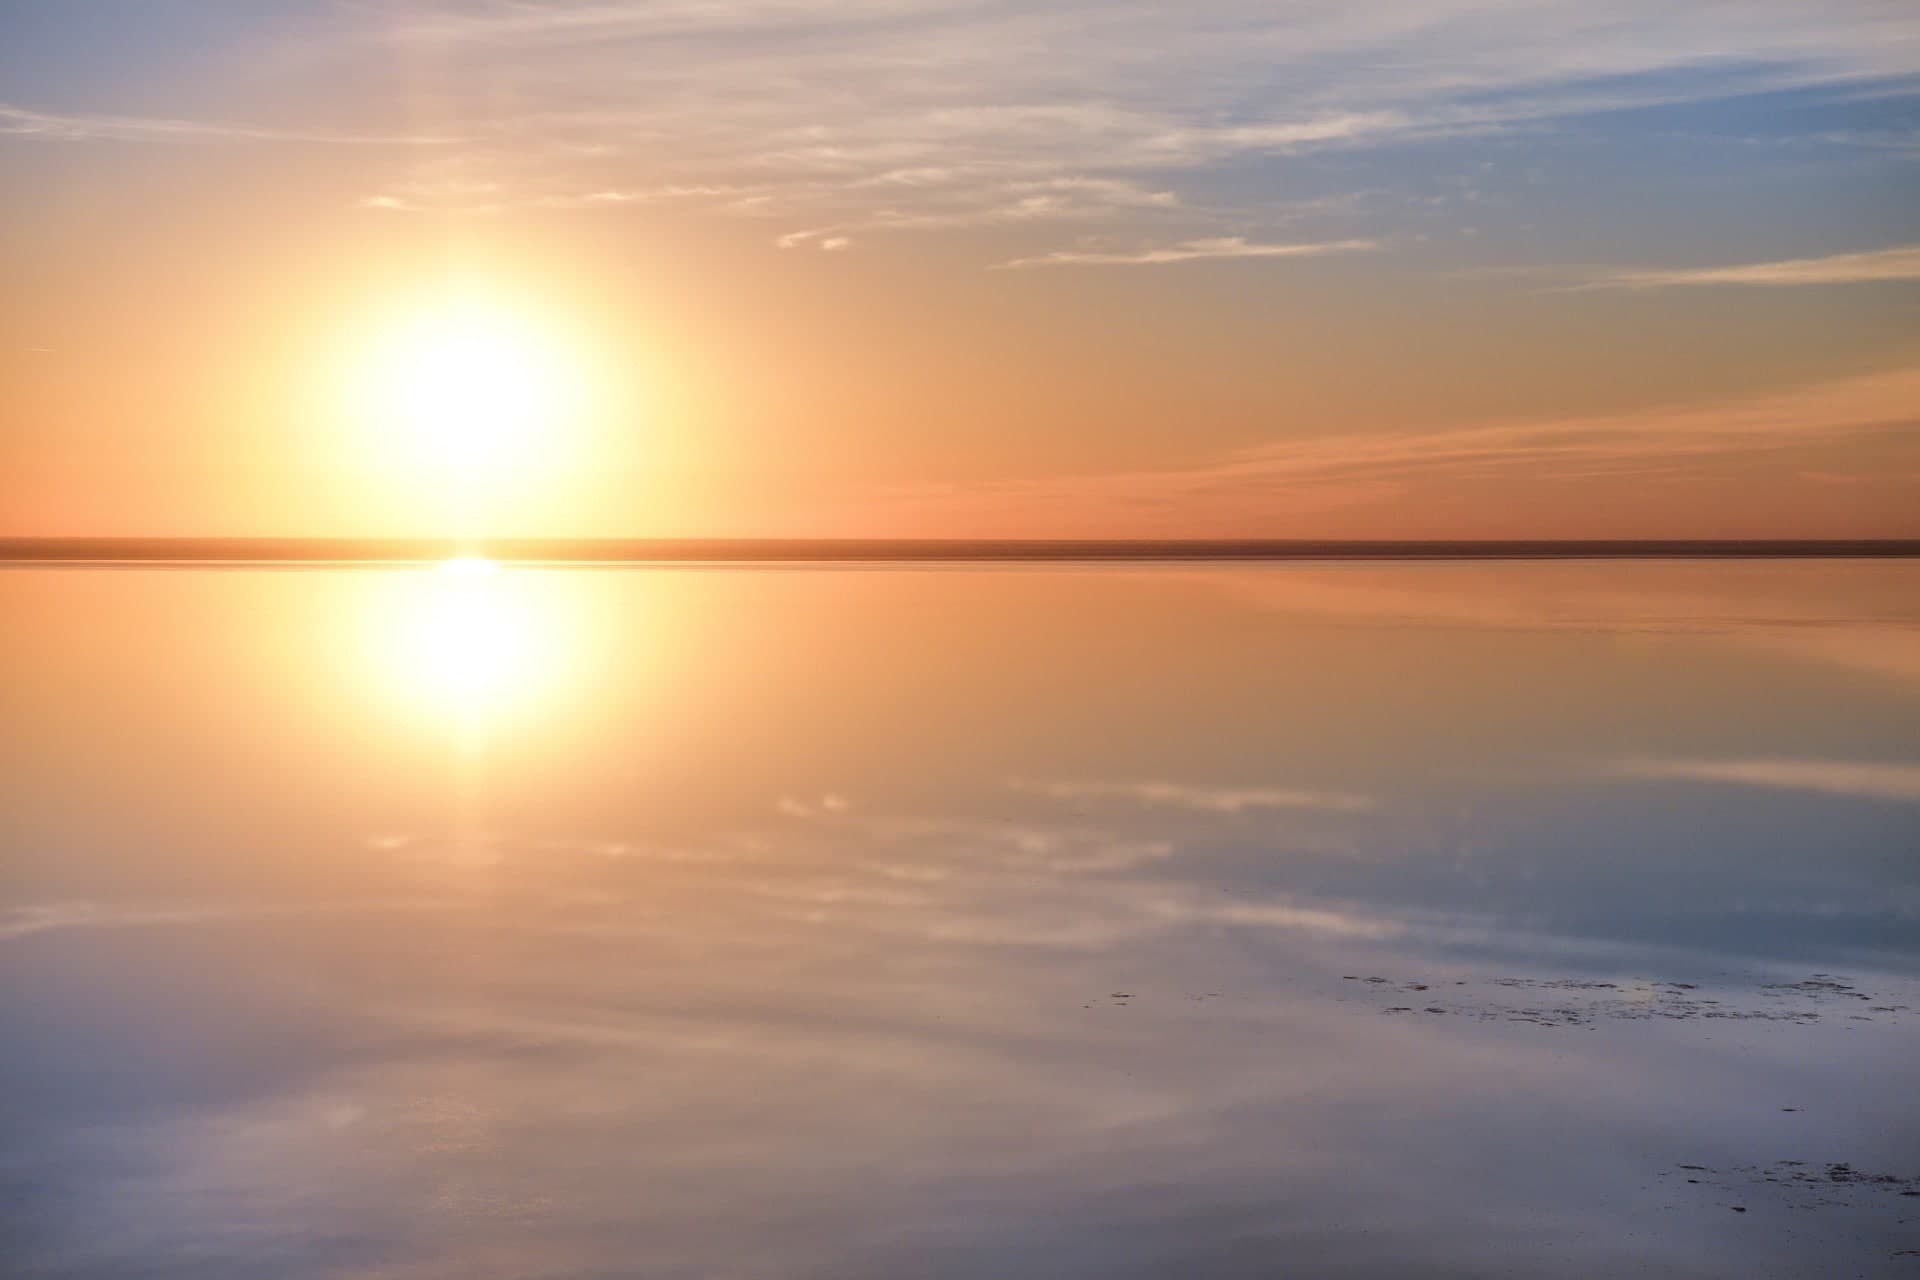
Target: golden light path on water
[(476, 656), (463, 646)]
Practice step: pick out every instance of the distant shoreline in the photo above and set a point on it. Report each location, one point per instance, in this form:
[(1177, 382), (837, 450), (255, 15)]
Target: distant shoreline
[(268, 551)]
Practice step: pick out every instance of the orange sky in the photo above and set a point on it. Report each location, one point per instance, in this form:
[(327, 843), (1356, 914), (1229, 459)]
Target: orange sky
[(927, 268)]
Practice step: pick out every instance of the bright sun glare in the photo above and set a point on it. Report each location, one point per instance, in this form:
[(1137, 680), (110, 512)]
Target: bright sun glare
[(471, 647), (464, 640), (470, 398)]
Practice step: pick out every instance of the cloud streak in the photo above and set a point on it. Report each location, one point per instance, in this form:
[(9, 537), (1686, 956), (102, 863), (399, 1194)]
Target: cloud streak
[(838, 120), (1901, 263), (1190, 251), (20, 122), (923, 114), (1249, 492)]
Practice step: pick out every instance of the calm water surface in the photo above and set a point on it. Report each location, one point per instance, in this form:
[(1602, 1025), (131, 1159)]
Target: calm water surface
[(1212, 922)]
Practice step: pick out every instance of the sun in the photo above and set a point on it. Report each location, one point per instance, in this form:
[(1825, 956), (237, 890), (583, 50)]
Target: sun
[(471, 396)]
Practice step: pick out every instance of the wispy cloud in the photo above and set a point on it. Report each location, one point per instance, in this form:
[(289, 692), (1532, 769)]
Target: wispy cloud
[(1255, 491), (21, 122), (1872, 781), (926, 113), (1901, 263), (1190, 251), (947, 200), (1166, 128)]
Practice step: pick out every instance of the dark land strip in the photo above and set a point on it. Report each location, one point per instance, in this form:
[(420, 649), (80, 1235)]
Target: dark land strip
[(614, 551)]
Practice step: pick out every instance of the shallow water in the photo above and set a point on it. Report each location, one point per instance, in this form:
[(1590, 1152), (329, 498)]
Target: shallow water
[(1356, 920)]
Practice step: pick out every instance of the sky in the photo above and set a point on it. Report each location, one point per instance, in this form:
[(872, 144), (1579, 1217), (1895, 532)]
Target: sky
[(1418, 268)]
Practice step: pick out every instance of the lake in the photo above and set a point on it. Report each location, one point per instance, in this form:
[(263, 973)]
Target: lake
[(1211, 921)]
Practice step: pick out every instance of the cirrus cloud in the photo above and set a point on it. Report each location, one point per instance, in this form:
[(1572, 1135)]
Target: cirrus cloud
[(1900, 263), (1190, 251), (1256, 491)]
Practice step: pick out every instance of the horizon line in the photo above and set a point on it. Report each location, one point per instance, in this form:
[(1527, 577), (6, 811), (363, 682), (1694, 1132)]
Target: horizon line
[(266, 551)]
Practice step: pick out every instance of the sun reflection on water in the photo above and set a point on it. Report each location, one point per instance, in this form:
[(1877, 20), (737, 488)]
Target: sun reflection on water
[(471, 645)]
